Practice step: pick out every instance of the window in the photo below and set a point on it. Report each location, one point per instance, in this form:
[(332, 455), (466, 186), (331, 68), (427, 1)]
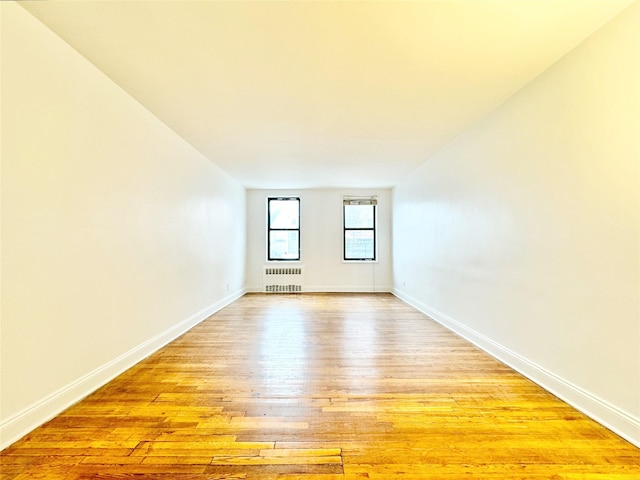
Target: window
[(359, 221), (283, 222)]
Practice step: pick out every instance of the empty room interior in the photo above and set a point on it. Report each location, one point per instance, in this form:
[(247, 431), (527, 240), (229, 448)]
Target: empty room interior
[(309, 239)]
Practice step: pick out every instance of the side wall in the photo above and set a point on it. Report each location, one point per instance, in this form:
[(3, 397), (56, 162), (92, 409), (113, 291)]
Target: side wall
[(321, 242), (117, 236), (523, 234)]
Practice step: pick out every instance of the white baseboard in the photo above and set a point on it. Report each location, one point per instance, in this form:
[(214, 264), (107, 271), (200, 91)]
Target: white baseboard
[(347, 289), (20, 424), (335, 289), (618, 421)]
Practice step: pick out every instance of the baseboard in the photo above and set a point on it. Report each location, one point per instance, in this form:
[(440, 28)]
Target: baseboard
[(347, 289), (20, 424), (335, 289), (618, 421)]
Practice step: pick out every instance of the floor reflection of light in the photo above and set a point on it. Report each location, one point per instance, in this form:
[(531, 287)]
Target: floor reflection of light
[(360, 350), (284, 351)]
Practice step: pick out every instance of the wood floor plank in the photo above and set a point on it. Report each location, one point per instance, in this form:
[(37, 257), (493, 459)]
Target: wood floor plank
[(320, 387)]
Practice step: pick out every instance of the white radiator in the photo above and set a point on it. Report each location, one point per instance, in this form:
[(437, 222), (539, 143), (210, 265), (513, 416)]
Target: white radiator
[(283, 279)]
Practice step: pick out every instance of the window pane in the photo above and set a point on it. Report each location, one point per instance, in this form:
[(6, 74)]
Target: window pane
[(284, 245), (284, 213), (358, 216), (358, 244)]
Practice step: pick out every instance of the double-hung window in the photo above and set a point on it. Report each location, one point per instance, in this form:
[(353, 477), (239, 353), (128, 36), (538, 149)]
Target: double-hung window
[(359, 226), (283, 225)]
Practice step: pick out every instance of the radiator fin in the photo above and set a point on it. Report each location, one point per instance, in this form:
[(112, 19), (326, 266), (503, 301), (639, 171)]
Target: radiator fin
[(283, 288), (283, 271)]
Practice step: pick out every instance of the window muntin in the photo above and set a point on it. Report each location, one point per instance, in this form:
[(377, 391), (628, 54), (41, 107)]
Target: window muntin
[(283, 224), (359, 225)]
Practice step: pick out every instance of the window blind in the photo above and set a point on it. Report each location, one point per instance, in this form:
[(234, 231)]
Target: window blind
[(362, 200)]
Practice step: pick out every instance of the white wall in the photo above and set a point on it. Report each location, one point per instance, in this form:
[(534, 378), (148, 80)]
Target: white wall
[(321, 241), (523, 234), (117, 235)]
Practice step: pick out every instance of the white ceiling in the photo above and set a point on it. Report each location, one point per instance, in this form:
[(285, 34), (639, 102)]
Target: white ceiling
[(322, 94)]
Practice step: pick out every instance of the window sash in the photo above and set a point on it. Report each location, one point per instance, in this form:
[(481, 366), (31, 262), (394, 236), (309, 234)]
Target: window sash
[(273, 237), (347, 250)]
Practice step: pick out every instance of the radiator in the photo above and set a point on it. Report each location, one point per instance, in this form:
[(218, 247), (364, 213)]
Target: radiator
[(283, 279)]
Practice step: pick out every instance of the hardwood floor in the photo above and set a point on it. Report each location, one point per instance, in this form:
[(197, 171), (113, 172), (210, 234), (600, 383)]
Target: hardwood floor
[(321, 387)]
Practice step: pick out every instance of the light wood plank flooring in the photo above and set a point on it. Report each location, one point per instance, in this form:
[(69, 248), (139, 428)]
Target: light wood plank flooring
[(321, 387)]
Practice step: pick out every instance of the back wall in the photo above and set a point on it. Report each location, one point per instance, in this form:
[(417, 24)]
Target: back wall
[(321, 241)]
